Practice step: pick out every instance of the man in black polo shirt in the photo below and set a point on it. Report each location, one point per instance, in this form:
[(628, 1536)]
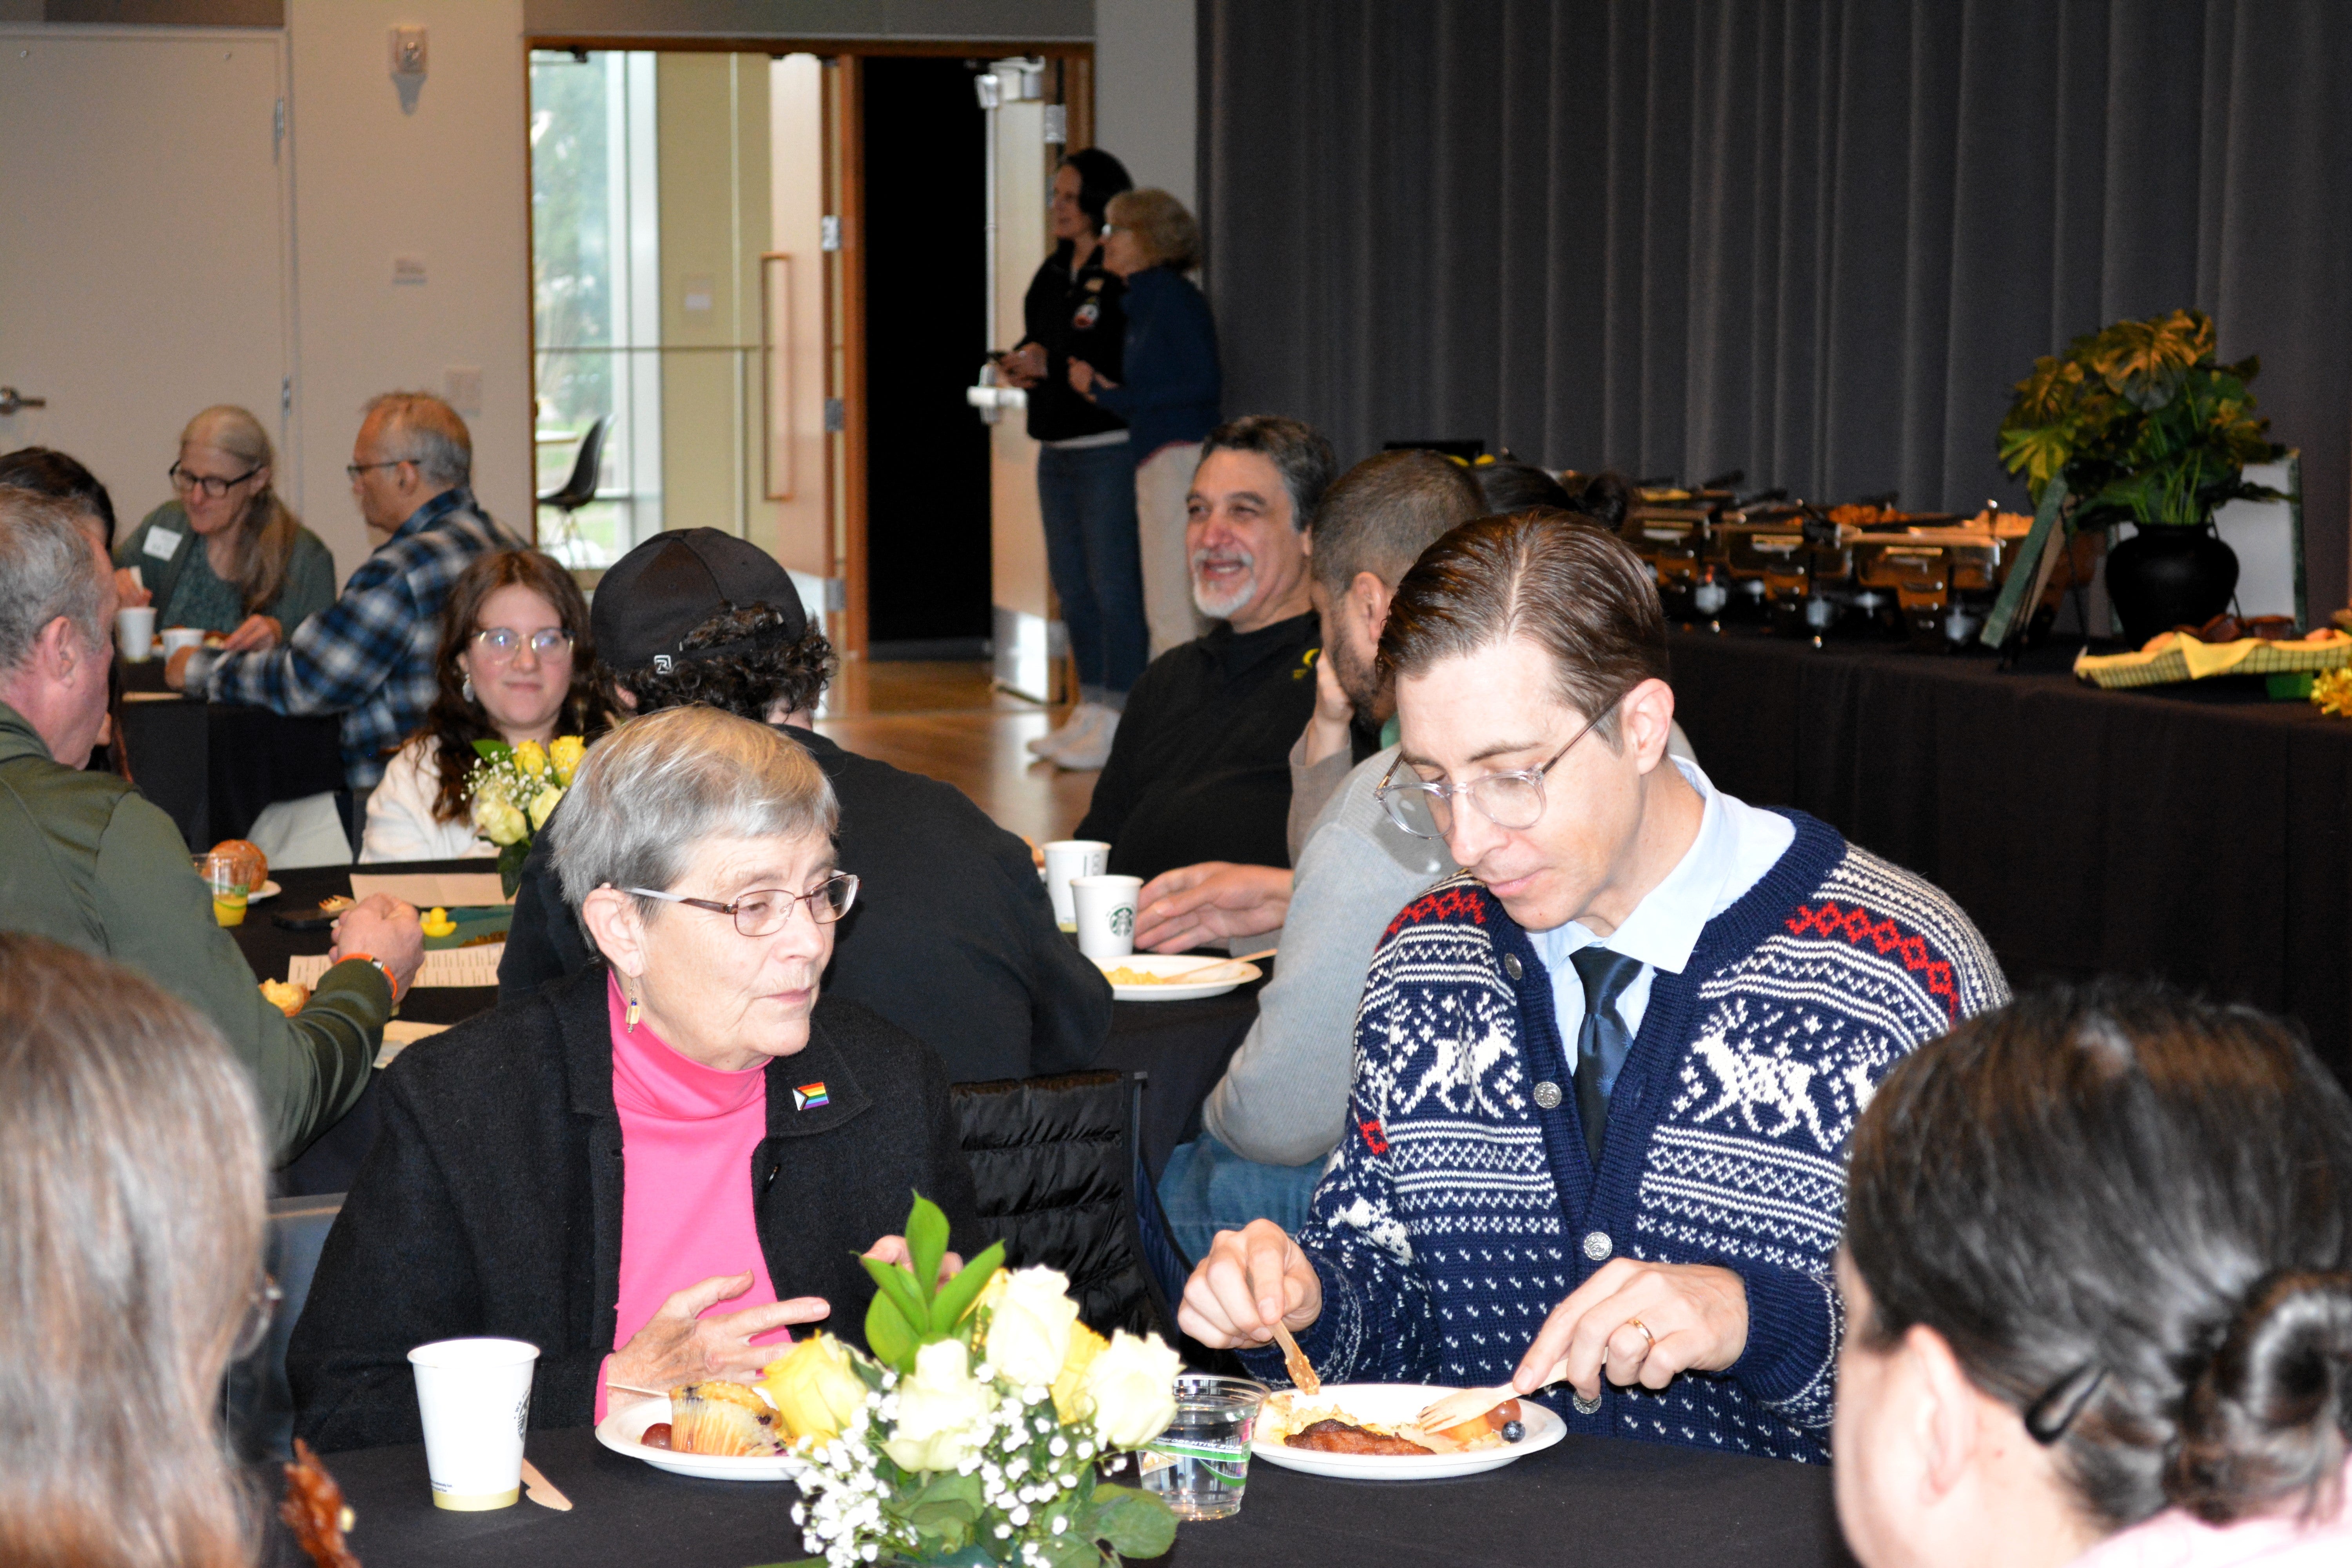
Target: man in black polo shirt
[(1201, 768)]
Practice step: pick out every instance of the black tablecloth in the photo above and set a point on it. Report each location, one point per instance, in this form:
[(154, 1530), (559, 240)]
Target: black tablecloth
[(1587, 1501), (211, 767), (2198, 832), (1183, 1046)]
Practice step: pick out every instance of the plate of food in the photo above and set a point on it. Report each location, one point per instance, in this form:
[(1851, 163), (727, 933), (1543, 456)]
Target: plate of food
[(1366, 1432), (1170, 977), (717, 1431), (267, 890)]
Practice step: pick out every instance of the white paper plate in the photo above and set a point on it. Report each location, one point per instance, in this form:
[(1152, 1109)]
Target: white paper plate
[(1391, 1404), (267, 890), (1175, 963), (621, 1429)]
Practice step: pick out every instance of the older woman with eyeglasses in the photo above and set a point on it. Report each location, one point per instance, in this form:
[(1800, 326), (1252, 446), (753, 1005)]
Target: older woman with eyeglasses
[(651, 1169), (515, 665)]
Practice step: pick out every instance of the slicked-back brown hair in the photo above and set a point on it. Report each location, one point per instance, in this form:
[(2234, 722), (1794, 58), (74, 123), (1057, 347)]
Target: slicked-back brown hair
[(1379, 515), (1573, 591)]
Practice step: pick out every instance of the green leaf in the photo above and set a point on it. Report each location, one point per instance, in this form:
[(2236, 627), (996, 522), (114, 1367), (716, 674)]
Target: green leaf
[(948, 1486), (1071, 1549), (889, 1334), (899, 1285), (956, 1296), (927, 1244), (493, 751), (1135, 1523), (951, 1522)]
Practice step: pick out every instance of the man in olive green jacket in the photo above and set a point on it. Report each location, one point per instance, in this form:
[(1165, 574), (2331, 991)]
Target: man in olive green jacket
[(87, 860)]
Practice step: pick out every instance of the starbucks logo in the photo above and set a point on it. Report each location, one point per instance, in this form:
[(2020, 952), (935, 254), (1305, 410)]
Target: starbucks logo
[(1122, 921)]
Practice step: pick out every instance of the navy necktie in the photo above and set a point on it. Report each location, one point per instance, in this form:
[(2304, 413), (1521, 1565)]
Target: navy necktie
[(1602, 1039)]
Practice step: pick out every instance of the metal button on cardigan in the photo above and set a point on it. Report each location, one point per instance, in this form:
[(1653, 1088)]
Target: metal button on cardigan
[(1597, 1245), (1548, 1095), (1511, 965)]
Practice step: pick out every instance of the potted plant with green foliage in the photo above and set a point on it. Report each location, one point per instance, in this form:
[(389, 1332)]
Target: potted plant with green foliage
[(2145, 426)]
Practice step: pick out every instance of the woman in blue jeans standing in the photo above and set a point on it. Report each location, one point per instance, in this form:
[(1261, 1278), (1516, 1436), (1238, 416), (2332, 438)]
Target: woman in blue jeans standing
[(1085, 472)]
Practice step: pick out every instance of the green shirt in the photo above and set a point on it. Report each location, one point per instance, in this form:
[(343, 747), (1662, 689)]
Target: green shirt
[(173, 564), (87, 861)]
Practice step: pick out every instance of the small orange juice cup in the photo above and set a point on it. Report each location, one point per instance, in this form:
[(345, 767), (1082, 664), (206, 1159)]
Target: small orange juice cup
[(225, 876)]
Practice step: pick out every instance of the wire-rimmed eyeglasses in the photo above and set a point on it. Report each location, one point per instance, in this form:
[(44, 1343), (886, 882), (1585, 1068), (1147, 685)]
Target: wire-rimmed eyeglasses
[(213, 484), (260, 1308), (762, 912), (499, 644), (1513, 800)]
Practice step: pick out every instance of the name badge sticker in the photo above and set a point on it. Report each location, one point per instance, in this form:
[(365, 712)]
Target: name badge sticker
[(163, 544)]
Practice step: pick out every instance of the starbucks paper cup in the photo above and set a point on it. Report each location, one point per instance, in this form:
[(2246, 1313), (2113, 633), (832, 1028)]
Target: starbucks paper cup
[(1106, 911), (1068, 858), (475, 1396)]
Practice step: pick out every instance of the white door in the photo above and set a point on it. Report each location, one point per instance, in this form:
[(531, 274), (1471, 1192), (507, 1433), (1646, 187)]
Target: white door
[(142, 254)]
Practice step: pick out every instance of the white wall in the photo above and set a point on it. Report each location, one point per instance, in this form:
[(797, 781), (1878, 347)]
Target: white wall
[(1146, 96), (446, 180)]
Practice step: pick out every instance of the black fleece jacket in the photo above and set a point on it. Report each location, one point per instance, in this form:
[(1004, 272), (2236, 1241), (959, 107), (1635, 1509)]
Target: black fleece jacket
[(491, 1202)]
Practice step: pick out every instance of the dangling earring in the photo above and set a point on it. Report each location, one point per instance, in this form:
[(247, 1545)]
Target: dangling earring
[(629, 1023), (466, 691)]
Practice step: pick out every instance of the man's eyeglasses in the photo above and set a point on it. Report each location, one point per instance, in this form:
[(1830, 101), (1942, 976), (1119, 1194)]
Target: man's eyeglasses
[(213, 484), (499, 644), (765, 912), (355, 469), (1512, 800)]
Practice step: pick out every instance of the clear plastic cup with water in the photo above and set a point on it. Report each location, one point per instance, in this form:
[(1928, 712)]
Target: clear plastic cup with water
[(1201, 1464)]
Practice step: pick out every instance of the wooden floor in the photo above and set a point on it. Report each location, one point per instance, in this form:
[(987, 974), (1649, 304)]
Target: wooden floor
[(947, 721)]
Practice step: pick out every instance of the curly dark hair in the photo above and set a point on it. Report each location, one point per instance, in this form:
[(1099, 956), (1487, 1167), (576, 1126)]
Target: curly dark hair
[(751, 682), (456, 722)]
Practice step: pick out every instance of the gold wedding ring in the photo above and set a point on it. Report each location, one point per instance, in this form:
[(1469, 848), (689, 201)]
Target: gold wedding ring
[(1649, 1339)]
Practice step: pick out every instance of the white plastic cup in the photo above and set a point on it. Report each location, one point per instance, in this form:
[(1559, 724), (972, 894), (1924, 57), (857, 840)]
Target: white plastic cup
[(1106, 911), (177, 637), (1068, 858), (475, 1396), (134, 632)]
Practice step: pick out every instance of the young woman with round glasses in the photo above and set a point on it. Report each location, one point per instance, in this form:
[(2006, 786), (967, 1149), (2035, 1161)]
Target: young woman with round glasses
[(515, 665)]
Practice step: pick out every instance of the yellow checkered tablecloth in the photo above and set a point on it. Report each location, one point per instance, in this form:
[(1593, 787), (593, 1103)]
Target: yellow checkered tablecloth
[(2186, 658)]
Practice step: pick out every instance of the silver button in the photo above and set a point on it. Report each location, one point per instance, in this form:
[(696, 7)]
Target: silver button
[(1548, 1095), (1597, 1245), (1511, 965), (1584, 1406)]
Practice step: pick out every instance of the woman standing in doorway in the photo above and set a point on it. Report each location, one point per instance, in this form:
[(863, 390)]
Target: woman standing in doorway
[(1086, 477), (1169, 395)]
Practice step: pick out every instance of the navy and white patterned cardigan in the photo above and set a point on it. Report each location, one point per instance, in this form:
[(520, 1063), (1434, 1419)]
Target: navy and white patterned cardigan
[(1455, 1213)]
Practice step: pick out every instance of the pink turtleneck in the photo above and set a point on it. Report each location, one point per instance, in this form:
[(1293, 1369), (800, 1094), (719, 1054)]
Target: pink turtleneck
[(687, 1133)]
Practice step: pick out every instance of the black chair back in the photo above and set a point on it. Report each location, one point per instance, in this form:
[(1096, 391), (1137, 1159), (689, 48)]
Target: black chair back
[(256, 1404), (580, 488)]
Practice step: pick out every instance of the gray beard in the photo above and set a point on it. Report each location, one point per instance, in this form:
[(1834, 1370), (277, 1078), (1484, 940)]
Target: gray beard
[(1229, 609)]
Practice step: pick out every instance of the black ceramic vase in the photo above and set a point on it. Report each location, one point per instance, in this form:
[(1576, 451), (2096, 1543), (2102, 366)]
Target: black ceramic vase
[(2169, 576)]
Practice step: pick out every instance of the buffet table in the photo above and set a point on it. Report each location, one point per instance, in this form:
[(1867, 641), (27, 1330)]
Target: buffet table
[(1587, 1501), (2201, 832)]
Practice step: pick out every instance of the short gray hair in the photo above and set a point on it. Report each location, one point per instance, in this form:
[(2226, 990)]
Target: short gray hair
[(421, 429), (651, 791), (48, 567), (1161, 223)]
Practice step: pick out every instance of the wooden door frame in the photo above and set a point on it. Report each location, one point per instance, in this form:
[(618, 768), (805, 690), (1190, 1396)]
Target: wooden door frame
[(1070, 71)]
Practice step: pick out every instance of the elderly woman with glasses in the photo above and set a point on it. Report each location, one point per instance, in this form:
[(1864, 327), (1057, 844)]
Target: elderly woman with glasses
[(515, 665), (651, 1169)]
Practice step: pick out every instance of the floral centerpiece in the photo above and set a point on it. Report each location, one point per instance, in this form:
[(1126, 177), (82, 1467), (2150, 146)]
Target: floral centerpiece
[(972, 1433), (514, 788)]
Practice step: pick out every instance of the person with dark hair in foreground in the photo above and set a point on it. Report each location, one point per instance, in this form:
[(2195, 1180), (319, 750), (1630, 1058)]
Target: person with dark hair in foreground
[(45, 472), (2098, 1279), (1603, 1077), (953, 938), (1200, 769)]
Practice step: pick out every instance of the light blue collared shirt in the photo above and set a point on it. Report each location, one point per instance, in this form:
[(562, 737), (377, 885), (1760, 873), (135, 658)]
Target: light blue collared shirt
[(1736, 844)]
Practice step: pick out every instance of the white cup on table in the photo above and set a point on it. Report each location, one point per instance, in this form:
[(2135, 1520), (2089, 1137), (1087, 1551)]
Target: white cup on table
[(1106, 911), (177, 637), (475, 1396), (134, 632), (1068, 858)]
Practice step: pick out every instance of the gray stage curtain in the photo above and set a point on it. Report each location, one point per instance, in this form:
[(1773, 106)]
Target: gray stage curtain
[(1817, 240)]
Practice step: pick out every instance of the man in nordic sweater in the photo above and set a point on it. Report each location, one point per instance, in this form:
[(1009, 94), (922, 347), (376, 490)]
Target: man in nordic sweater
[(1605, 1076)]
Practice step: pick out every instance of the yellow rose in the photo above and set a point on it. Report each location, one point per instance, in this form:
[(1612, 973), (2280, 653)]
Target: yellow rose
[(1085, 1345), (941, 1410), (499, 821), (531, 758), (815, 1387), (1029, 1327), (564, 756), (1130, 1389), (545, 804)]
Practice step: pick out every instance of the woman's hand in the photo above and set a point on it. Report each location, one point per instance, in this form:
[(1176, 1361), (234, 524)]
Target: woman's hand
[(1695, 1315), (129, 590), (175, 669), (1180, 910), (1252, 1278), (257, 632), (1024, 366), (893, 1249), (1085, 378), (679, 1345)]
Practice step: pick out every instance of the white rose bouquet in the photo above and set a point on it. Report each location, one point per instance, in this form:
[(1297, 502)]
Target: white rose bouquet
[(971, 1435), (514, 788)]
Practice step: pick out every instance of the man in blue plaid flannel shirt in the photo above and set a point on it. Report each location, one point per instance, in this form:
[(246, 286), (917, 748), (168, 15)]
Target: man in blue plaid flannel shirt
[(369, 656)]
